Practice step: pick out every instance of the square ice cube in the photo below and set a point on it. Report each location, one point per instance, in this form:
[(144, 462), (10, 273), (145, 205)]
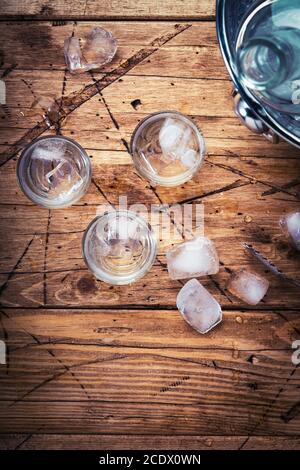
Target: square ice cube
[(198, 307), (248, 286), (194, 258), (175, 139), (291, 224)]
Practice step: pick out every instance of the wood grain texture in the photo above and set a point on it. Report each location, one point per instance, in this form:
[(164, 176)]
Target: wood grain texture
[(95, 366), (154, 10), (138, 442)]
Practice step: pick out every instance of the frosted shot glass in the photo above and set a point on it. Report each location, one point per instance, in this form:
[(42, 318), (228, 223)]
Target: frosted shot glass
[(54, 171), (119, 247), (167, 148)]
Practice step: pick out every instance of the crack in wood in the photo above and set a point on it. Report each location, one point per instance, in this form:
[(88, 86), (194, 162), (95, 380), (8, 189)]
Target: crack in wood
[(180, 231), (113, 119), (292, 413), (139, 307), (97, 185), (29, 436), (289, 185), (253, 179), (67, 368), (236, 184), (39, 343), (66, 342), (60, 374), (8, 70), (269, 408), (12, 272), (288, 321)]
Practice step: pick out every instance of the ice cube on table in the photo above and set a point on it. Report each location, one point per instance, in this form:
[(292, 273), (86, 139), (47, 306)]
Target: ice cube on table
[(73, 55), (99, 48), (291, 224), (193, 258), (198, 307), (248, 286)]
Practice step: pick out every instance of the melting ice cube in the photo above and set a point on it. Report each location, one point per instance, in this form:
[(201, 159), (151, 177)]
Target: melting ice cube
[(99, 48), (198, 307), (53, 169), (175, 138), (123, 228), (51, 149), (291, 224), (194, 258), (248, 286), (64, 178), (73, 55), (189, 158)]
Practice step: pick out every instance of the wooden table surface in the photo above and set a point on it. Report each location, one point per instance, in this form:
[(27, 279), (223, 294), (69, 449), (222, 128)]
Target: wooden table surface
[(95, 366)]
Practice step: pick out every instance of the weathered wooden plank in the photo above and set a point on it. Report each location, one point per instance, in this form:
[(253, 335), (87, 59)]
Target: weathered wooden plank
[(135, 328), (272, 443), (160, 419), (32, 37), (128, 33), (151, 376), (107, 9), (194, 96), (138, 442), (78, 355), (198, 55)]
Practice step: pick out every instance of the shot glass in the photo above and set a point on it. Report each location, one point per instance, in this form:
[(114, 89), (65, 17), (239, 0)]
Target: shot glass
[(54, 171), (119, 247), (167, 148)]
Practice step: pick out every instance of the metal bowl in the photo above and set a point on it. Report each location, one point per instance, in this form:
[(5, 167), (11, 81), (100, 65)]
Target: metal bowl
[(260, 119)]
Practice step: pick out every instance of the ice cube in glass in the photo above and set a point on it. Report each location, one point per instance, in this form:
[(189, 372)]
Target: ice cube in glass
[(167, 148), (54, 171)]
